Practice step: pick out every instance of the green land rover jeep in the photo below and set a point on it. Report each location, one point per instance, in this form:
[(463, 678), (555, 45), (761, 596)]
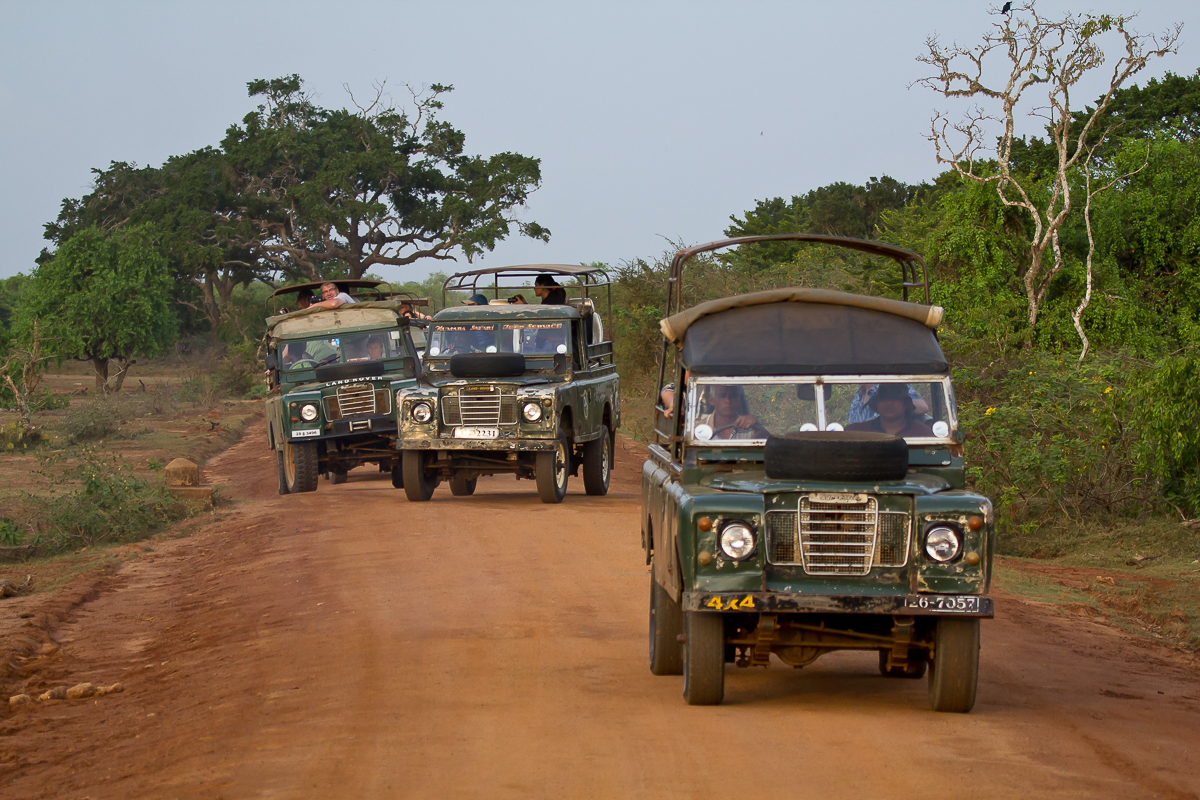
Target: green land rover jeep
[(515, 388), (806, 490), (331, 377)]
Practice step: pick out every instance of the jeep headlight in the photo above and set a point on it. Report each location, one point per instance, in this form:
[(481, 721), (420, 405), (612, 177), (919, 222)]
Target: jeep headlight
[(532, 412), (308, 412), (942, 543), (422, 413), (737, 541)]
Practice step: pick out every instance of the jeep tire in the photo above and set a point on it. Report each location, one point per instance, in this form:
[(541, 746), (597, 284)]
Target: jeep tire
[(954, 672), (281, 473), (461, 486), (835, 456), (597, 463), (300, 466), (550, 471), (337, 476), (419, 482), (703, 658), (666, 624)]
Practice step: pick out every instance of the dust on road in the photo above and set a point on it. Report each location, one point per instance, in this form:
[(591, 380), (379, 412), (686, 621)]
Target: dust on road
[(350, 644)]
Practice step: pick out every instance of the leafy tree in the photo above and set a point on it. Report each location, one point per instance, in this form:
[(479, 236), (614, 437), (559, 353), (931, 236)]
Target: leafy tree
[(1042, 54), (103, 297), (193, 205), (340, 191)]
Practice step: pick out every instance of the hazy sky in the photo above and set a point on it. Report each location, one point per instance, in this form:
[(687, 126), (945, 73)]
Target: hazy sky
[(654, 121)]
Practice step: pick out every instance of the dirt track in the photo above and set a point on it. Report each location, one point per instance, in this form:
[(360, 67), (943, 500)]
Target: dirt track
[(349, 644)]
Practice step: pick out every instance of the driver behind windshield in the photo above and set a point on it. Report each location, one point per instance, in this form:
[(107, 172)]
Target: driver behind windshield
[(731, 417), (897, 413)]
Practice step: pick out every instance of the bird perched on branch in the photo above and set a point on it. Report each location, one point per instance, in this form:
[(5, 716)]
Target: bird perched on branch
[(1007, 8)]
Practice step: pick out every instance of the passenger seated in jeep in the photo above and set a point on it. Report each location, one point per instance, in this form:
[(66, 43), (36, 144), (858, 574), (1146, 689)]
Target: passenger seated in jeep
[(897, 413), (730, 417)]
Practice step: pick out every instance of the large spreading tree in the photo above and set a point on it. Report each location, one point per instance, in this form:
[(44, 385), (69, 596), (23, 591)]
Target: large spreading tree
[(338, 191)]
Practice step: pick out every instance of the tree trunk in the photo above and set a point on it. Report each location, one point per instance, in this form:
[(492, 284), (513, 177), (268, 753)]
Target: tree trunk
[(100, 365), (118, 378), (212, 309)]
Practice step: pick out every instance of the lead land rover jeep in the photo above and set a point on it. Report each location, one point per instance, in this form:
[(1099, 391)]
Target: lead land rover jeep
[(529, 390), (331, 377), (806, 489)]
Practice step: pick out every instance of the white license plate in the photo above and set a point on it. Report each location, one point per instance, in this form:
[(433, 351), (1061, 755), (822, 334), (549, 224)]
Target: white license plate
[(946, 604), (476, 433), (302, 432)]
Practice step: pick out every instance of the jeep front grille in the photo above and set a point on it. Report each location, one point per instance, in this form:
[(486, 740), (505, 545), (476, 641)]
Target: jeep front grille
[(480, 409), (356, 398), (846, 536)]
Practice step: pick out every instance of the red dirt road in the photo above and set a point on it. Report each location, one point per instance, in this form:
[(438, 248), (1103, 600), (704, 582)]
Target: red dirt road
[(350, 644)]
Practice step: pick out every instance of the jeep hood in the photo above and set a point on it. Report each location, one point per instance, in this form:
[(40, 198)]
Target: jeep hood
[(756, 482)]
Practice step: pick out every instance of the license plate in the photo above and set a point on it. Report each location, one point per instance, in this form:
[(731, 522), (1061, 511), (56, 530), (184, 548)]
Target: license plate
[(302, 432), (949, 605), (476, 433)]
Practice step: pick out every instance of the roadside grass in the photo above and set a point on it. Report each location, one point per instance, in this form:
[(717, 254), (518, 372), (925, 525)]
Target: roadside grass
[(94, 479), (1157, 597)]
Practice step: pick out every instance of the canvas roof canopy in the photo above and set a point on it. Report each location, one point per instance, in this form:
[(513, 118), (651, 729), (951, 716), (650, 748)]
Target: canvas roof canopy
[(808, 332)]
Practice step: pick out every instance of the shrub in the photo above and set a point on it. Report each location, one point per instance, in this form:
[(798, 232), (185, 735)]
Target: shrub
[(17, 438), (110, 504), (94, 419), (1051, 443), (1168, 404)]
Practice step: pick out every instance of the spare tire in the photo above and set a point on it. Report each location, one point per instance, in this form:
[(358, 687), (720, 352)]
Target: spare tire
[(836, 456), (341, 372), (487, 365)]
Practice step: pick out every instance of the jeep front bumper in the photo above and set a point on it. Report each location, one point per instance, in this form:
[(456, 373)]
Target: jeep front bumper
[(913, 605)]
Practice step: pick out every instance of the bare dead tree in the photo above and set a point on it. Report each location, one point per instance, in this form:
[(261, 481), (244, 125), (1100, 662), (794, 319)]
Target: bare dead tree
[(24, 385), (1089, 194), (1042, 54)]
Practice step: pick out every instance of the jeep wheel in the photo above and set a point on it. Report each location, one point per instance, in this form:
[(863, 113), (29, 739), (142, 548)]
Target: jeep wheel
[(300, 466), (283, 487), (666, 623), (419, 480), (915, 668), (397, 475), (460, 486), (954, 673), (835, 456), (338, 476), (597, 463), (550, 472), (703, 658)]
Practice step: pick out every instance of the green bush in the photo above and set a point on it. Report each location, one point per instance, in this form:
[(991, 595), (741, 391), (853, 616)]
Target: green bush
[(93, 419), (109, 504), (10, 534), (1053, 442), (16, 438), (1168, 404)]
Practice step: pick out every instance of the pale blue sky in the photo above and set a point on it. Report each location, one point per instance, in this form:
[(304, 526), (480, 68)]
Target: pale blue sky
[(653, 120)]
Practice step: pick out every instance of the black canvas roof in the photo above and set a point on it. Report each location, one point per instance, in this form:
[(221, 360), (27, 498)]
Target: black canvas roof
[(808, 338)]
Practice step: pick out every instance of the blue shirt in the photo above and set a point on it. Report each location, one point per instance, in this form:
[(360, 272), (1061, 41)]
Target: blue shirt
[(861, 412)]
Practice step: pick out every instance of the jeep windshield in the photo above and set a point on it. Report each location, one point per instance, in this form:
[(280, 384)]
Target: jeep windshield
[(528, 337), (745, 411), (345, 349)]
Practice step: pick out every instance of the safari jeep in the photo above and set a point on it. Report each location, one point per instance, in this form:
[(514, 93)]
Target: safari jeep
[(524, 389), (806, 489), (331, 377)]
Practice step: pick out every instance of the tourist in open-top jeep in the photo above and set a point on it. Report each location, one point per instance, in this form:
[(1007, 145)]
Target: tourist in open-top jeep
[(334, 364), (513, 387), (806, 489)]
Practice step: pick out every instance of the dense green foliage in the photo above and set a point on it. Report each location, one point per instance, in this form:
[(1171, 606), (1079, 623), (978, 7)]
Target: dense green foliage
[(103, 298), (1055, 442)]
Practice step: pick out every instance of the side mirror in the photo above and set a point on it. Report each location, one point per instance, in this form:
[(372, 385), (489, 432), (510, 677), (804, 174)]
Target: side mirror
[(560, 364), (272, 361), (411, 367)]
